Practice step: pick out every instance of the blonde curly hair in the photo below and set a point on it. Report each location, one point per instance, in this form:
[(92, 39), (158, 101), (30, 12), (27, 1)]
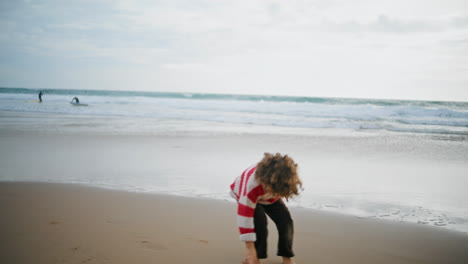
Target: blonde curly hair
[(279, 175)]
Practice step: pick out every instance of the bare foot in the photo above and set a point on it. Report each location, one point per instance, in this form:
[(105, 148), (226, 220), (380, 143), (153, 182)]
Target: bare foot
[(288, 261)]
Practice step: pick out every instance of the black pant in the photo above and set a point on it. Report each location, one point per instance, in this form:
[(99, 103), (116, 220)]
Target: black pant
[(279, 213)]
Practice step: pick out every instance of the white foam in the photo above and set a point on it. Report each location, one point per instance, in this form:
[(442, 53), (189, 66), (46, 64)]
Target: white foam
[(404, 118)]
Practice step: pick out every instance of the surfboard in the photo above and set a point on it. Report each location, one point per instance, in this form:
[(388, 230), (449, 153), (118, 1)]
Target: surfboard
[(33, 101), (78, 104)]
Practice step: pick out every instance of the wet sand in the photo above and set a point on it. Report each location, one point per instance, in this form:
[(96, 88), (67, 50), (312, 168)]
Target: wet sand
[(70, 223)]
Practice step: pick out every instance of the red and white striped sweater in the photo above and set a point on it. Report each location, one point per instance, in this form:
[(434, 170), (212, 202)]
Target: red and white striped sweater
[(248, 192)]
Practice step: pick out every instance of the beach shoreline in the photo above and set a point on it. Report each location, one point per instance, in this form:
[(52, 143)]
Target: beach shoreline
[(73, 192), (71, 223), (400, 178)]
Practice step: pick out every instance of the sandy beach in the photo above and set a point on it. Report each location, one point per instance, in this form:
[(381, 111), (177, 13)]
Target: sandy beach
[(65, 223), (73, 193), (127, 127)]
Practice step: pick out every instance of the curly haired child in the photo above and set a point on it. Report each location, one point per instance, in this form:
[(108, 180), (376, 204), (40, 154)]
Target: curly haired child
[(259, 192)]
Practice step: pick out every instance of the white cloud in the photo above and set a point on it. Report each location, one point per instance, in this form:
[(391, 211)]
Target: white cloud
[(359, 48)]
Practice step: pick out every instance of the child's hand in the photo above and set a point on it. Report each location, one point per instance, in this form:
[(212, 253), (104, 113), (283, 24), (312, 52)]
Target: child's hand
[(251, 260), (251, 254)]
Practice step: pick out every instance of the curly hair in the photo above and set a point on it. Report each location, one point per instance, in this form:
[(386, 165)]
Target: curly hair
[(279, 175)]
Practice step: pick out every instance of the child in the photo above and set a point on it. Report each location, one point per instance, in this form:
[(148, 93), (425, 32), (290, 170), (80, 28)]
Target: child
[(258, 191)]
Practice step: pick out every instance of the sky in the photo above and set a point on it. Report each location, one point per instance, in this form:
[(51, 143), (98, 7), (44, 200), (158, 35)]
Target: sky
[(411, 49)]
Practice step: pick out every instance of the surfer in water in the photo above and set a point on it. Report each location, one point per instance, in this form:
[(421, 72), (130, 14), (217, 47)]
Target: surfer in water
[(75, 100), (40, 96)]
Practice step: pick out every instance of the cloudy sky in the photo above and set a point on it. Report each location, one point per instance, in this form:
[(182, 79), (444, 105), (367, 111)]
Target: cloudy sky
[(411, 49)]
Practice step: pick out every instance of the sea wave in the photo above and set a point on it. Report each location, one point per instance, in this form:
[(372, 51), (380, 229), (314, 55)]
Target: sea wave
[(357, 114), (237, 97)]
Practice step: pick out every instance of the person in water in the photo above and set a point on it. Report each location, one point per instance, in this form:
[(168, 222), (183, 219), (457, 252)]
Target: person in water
[(40, 96), (259, 192), (76, 100)]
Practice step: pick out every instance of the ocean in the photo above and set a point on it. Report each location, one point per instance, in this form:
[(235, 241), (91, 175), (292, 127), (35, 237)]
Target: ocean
[(398, 160), (371, 115)]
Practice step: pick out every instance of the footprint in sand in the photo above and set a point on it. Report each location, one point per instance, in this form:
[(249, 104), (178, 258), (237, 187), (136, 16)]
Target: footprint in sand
[(151, 245), (199, 240), (74, 249), (87, 260)]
